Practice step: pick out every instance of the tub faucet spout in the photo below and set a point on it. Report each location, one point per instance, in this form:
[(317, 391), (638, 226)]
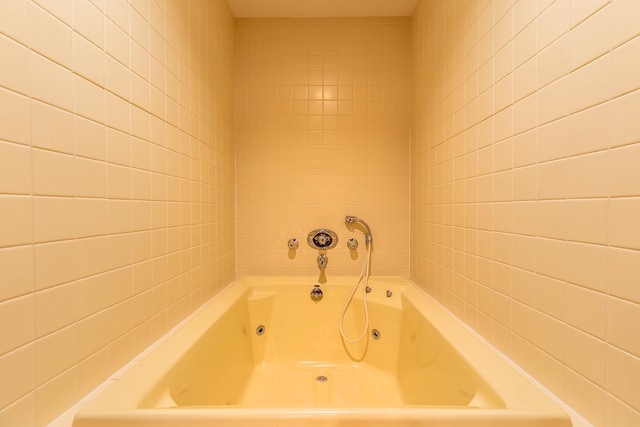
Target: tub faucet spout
[(322, 261), (316, 293)]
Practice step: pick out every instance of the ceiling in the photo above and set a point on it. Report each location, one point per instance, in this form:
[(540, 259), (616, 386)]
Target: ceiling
[(320, 8)]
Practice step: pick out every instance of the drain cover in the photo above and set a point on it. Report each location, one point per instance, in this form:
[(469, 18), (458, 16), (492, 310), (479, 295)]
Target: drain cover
[(322, 379)]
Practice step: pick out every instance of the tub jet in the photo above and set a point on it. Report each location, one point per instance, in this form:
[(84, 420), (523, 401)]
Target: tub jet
[(322, 379)]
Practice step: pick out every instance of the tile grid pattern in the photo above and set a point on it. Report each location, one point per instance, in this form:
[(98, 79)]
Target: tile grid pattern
[(322, 131), (116, 182), (525, 186)]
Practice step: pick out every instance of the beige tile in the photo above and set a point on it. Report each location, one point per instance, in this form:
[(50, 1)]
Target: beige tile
[(587, 175), (587, 355), (525, 114), (587, 221), (20, 413), (582, 10), (623, 273), (53, 219), (17, 369), (17, 320), (15, 75), (17, 211), (553, 22), (55, 353), (623, 29), (16, 266), (621, 173), (622, 316), (52, 174), (88, 20), (16, 120), (51, 83), (88, 99), (552, 180), (15, 166), (49, 36), (586, 265), (586, 397), (622, 376), (90, 178), (622, 223), (100, 329), (625, 64), (89, 138), (55, 396), (526, 43), (619, 413), (15, 20), (89, 217), (51, 127), (554, 99), (589, 130), (54, 263), (551, 336), (624, 129), (587, 37), (56, 308), (550, 297), (92, 256), (591, 84), (587, 310), (553, 61), (553, 219)]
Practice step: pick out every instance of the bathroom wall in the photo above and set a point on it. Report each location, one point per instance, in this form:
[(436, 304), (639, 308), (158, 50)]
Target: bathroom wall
[(116, 182), (322, 131), (525, 191)]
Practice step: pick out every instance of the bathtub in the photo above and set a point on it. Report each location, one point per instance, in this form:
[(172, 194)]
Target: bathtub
[(262, 352)]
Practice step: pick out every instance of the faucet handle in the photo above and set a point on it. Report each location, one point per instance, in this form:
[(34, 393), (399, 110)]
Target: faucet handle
[(293, 243)]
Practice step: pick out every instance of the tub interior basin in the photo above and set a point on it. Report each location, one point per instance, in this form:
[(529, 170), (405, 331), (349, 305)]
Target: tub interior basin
[(263, 350)]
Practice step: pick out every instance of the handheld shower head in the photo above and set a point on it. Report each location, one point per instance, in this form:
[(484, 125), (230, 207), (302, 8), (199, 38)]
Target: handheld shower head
[(355, 220)]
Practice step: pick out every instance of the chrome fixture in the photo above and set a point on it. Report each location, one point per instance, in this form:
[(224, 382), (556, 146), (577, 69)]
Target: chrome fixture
[(352, 244), (316, 293), (293, 243), (368, 238), (260, 330), (323, 240), (323, 260), (364, 274), (375, 334)]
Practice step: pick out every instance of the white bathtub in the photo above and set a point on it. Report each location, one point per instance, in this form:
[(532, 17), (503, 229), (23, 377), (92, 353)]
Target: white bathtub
[(263, 353)]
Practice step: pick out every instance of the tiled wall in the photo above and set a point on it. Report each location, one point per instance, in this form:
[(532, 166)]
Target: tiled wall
[(116, 182), (526, 186), (322, 131)]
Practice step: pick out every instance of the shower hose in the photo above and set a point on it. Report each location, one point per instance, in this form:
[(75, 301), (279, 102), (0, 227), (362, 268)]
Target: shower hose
[(363, 274)]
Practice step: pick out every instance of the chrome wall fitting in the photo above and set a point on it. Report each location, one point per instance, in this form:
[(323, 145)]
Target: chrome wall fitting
[(322, 260), (352, 244), (293, 243), (322, 239), (316, 293)]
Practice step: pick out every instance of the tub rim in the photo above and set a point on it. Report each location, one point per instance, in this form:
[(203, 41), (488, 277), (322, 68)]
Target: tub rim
[(196, 324)]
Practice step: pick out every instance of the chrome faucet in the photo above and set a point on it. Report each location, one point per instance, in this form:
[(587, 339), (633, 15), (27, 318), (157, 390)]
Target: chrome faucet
[(316, 293), (323, 259)]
